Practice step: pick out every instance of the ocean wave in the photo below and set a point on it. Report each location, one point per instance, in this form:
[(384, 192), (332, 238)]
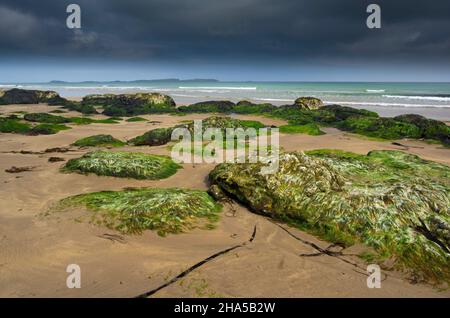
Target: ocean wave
[(104, 87), (386, 104), (272, 99), (375, 90), (217, 87), (184, 95), (433, 98)]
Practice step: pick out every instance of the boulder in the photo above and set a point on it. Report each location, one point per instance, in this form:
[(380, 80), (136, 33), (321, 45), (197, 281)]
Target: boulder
[(247, 107), (337, 113), (380, 127), (429, 128), (394, 202), (154, 137), (23, 96), (131, 104), (222, 106), (308, 103)]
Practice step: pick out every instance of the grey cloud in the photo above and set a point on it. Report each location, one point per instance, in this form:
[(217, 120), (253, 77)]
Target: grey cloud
[(225, 31)]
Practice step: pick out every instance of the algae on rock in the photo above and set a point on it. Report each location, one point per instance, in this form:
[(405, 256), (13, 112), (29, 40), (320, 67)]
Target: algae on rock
[(99, 141), (394, 202), (135, 210), (161, 136), (123, 164), (131, 104)]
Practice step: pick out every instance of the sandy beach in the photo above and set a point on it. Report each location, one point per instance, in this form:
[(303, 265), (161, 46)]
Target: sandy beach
[(36, 247)]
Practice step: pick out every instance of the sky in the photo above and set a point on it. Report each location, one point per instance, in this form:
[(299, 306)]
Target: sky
[(238, 40)]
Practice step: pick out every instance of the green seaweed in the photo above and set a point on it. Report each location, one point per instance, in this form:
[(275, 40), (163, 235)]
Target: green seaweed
[(123, 164), (99, 141), (309, 129), (154, 137), (386, 128), (88, 121), (131, 104), (85, 109), (45, 118), (394, 202), (47, 129), (8, 125), (135, 210), (136, 119)]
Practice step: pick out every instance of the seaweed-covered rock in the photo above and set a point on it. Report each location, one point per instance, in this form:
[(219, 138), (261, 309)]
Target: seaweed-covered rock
[(161, 136), (123, 164), (24, 96), (131, 104), (337, 113), (99, 141), (209, 107), (294, 115), (13, 125), (154, 137), (309, 129), (379, 127), (136, 119), (47, 129), (429, 128), (46, 118), (135, 210), (222, 123), (308, 103), (80, 107), (216, 192), (392, 201), (247, 107)]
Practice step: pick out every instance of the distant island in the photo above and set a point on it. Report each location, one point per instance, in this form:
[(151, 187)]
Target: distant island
[(139, 81)]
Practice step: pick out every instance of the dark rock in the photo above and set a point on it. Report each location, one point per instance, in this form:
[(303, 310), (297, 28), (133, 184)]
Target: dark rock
[(385, 128), (23, 96), (247, 107), (216, 192), (57, 149), (15, 169), (222, 106), (336, 113), (131, 104), (429, 128), (154, 137), (56, 159)]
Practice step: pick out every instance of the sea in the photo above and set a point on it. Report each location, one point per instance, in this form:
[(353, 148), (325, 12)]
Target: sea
[(386, 98)]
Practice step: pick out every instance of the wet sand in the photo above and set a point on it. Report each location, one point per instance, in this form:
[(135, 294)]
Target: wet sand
[(36, 248)]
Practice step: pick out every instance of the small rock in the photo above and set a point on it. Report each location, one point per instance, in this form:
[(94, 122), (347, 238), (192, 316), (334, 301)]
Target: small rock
[(15, 169), (57, 149), (56, 159)]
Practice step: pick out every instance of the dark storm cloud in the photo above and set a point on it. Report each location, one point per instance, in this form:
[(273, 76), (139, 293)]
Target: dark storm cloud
[(232, 30)]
